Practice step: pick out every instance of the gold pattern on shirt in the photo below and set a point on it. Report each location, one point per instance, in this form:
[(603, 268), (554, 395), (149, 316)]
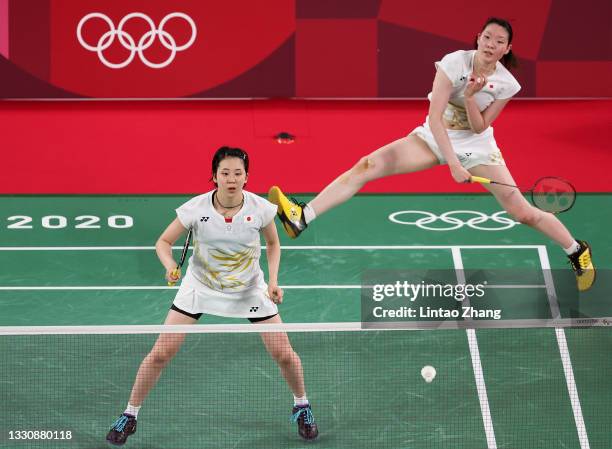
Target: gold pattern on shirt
[(456, 117), (234, 263)]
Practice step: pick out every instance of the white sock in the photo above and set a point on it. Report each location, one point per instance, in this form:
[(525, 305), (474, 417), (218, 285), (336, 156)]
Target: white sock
[(572, 248), (300, 401), (309, 213), (131, 410)]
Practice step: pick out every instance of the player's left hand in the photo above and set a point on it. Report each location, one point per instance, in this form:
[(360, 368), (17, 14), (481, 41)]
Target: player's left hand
[(275, 293), (475, 84)]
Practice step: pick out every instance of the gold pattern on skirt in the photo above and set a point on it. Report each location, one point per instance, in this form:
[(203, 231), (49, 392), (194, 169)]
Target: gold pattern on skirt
[(496, 158)]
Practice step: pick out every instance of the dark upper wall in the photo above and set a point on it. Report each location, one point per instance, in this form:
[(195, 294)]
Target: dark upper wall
[(293, 48)]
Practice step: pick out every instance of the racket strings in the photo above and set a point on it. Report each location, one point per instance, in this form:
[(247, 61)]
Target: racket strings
[(553, 195)]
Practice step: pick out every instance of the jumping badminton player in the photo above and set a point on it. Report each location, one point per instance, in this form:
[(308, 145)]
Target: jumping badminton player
[(223, 278), (469, 91)]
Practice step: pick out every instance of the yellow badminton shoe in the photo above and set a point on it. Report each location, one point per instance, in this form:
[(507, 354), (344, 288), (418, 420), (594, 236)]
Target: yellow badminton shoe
[(290, 212), (583, 267)]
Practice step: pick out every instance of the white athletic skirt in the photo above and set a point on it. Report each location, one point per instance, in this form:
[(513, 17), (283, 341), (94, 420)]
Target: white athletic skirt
[(471, 149), (195, 297)]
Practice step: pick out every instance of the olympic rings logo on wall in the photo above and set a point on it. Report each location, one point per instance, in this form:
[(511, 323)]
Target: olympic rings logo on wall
[(129, 43), (450, 219)]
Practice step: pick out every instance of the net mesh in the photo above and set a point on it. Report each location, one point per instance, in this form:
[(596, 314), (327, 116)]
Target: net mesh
[(494, 387)]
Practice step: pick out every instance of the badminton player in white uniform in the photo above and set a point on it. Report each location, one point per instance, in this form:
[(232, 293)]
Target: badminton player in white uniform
[(223, 278), (470, 90)]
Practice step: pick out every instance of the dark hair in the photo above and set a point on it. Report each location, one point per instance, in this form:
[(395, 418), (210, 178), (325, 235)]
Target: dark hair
[(225, 152), (508, 60)]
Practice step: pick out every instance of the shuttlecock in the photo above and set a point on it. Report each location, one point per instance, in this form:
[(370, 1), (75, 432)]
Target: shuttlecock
[(428, 373)]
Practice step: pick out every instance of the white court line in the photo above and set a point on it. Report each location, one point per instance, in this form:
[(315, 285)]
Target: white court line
[(476, 362), (164, 287), (572, 390), (550, 285), (568, 370), (292, 247)]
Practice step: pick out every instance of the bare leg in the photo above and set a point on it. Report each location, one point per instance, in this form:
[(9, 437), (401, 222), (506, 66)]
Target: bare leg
[(406, 155), (279, 347), (166, 346), (516, 205)]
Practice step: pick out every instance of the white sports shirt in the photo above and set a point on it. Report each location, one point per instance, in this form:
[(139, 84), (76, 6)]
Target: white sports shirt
[(458, 66), (226, 254)]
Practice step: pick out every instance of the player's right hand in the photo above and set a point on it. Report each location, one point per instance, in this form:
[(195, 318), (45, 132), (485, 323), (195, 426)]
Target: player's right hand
[(173, 275), (460, 174)]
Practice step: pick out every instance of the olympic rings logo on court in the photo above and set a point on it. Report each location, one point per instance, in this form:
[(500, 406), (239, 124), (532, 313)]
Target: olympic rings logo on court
[(129, 43), (452, 222)]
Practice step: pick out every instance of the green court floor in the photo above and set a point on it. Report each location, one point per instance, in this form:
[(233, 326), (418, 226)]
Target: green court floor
[(75, 261)]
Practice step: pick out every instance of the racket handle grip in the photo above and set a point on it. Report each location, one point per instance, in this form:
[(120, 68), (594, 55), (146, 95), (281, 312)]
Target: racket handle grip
[(480, 180), (175, 272)]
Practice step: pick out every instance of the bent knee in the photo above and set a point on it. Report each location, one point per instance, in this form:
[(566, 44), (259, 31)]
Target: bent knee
[(366, 169), (161, 357), (364, 164), (526, 214), (285, 358)]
